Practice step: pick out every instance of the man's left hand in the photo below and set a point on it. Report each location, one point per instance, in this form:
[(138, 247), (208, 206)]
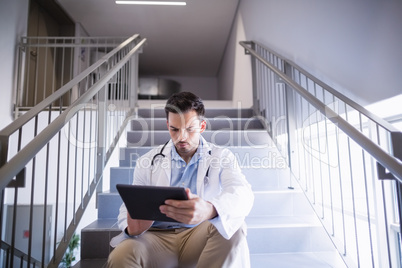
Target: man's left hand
[(192, 211)]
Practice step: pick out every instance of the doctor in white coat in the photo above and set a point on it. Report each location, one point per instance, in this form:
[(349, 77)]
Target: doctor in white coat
[(210, 229)]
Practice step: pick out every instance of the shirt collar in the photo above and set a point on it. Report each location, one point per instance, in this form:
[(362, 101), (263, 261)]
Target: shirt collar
[(202, 149)]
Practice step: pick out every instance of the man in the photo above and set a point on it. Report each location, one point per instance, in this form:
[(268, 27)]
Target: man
[(210, 231)]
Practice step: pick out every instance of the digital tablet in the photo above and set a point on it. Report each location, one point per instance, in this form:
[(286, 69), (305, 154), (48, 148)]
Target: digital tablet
[(143, 202)]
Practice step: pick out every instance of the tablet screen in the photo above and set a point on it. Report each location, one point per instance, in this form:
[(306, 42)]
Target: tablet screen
[(143, 202)]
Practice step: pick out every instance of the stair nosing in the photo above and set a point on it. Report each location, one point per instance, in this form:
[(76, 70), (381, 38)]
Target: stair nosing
[(274, 222)]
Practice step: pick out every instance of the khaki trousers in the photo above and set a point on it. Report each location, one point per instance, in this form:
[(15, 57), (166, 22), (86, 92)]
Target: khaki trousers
[(200, 246)]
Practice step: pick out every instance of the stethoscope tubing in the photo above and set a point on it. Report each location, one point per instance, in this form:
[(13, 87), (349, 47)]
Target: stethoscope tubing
[(161, 154)]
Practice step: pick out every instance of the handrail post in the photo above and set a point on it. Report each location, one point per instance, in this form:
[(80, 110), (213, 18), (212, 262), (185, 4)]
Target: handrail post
[(102, 134), (396, 143), (3, 158), (396, 147), (256, 102), (396, 138), (133, 78), (3, 150), (290, 112)]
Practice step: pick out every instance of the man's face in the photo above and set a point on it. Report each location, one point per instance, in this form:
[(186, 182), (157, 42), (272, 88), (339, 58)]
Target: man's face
[(185, 130)]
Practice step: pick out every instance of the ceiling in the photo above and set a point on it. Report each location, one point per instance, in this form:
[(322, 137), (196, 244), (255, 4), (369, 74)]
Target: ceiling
[(182, 40)]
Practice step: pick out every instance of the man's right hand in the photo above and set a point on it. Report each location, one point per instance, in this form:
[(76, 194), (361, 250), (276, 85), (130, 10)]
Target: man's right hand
[(137, 227)]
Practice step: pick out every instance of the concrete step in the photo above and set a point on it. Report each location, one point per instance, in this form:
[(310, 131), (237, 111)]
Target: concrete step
[(284, 234), (270, 186), (280, 203), (254, 138), (247, 156), (283, 230), (95, 239), (282, 227), (269, 179), (209, 113), (91, 263), (330, 259), (108, 205), (260, 178), (266, 203), (129, 155), (120, 175), (266, 235), (216, 123)]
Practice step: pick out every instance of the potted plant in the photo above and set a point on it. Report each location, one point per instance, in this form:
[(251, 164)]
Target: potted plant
[(69, 257)]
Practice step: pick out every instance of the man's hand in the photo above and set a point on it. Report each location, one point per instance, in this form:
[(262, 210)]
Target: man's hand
[(191, 211), (137, 227)]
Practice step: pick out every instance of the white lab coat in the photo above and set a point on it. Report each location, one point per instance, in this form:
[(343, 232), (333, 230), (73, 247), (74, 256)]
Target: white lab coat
[(225, 187)]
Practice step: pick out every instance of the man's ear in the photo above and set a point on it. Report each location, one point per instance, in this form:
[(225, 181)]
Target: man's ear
[(167, 124), (203, 125)]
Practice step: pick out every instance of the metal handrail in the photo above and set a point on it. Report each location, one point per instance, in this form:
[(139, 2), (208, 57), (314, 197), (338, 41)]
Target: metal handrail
[(13, 166), (72, 38), (337, 152), (20, 121), (386, 125), (123, 56), (65, 42), (19, 253), (388, 161)]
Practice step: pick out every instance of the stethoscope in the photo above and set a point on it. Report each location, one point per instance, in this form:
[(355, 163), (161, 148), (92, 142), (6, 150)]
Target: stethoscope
[(159, 154), (206, 179)]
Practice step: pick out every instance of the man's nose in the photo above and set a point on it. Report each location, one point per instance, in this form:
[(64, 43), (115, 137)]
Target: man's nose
[(183, 135)]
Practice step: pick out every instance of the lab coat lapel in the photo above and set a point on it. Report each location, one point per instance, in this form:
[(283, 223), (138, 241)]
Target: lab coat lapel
[(167, 161), (163, 167), (203, 166)]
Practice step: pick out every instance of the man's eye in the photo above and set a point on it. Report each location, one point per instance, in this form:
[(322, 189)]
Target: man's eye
[(174, 129), (194, 129)]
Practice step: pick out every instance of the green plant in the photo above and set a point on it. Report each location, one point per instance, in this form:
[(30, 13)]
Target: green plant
[(69, 257)]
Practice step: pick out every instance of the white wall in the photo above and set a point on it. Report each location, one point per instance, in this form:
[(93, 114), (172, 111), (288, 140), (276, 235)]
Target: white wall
[(234, 78), (13, 25), (354, 46)]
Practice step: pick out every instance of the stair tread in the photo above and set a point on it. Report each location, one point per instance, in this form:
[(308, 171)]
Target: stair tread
[(278, 260), (207, 130), (214, 123), (92, 263), (102, 225), (257, 222), (108, 193), (221, 117), (296, 189), (253, 222), (257, 138), (270, 232), (210, 112), (245, 147), (299, 260)]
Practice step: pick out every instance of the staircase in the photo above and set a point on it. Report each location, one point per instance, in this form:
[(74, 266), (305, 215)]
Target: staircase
[(283, 230)]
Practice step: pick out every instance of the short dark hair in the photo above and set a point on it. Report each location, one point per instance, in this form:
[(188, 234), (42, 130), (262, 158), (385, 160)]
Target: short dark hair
[(183, 102)]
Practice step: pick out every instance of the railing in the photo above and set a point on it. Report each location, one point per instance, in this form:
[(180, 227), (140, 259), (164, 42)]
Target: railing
[(52, 156), (50, 62), (346, 159)]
